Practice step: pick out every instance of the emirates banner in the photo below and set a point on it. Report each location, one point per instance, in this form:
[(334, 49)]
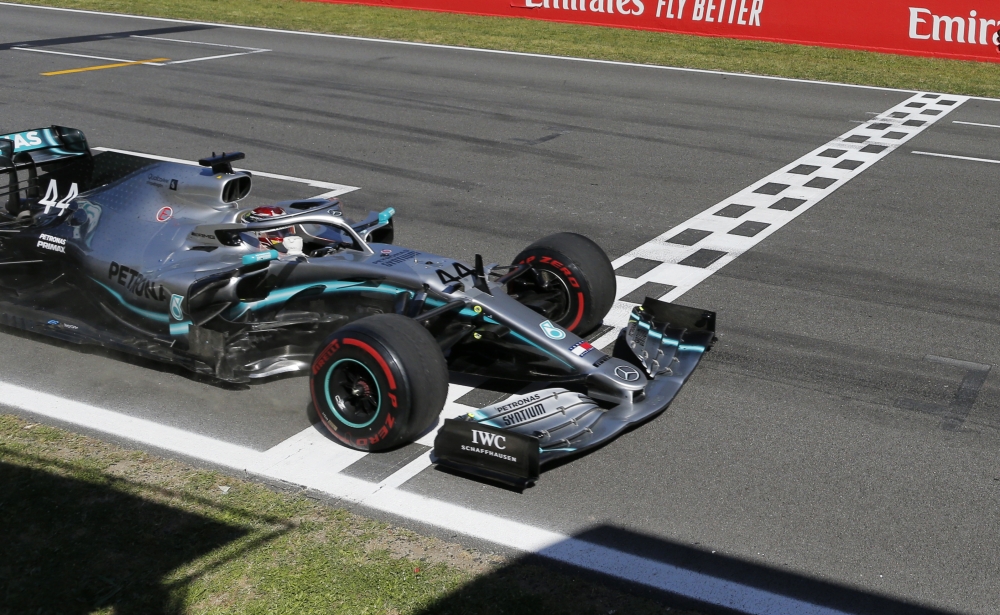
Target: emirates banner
[(960, 29)]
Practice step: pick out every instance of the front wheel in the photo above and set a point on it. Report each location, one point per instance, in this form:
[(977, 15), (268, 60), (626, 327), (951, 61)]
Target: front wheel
[(572, 282), (379, 382)]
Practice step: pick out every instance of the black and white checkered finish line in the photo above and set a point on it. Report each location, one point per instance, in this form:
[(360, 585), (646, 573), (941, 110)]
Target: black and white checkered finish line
[(673, 263)]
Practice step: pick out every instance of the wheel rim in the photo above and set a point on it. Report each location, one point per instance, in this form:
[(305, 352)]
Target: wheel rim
[(352, 393), (553, 290)]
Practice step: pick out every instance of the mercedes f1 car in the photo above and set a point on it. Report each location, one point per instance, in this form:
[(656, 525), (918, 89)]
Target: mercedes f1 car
[(160, 260)]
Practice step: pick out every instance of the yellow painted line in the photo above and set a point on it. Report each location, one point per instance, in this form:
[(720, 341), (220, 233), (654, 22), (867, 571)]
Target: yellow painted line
[(103, 66)]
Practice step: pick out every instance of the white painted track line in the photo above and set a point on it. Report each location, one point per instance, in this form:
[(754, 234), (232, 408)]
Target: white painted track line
[(976, 124), (310, 450), (953, 157), (332, 189), (473, 49), (80, 55), (131, 428), (227, 55), (246, 50), (177, 40), (312, 461)]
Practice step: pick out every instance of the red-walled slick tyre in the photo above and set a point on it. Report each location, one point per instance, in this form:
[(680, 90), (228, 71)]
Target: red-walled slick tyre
[(572, 282), (379, 382)]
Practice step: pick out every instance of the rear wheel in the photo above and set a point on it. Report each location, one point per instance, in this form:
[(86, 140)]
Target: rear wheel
[(379, 382), (572, 282)]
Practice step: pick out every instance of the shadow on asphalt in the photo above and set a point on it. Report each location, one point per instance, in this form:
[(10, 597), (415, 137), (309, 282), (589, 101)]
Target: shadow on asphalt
[(84, 350), (71, 547), (781, 586), (90, 38)]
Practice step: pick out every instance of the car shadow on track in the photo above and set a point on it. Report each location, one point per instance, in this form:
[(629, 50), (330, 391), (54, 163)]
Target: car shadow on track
[(136, 361), (72, 547), (700, 581)]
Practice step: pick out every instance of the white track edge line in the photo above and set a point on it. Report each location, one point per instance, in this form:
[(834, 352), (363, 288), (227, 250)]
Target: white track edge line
[(480, 50), (387, 498), (137, 430)]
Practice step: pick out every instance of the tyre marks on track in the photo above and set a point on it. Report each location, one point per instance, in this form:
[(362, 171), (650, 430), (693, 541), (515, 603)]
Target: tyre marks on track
[(953, 415)]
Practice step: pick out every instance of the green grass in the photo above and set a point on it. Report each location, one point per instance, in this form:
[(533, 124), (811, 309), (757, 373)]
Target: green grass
[(93, 528), (844, 66)]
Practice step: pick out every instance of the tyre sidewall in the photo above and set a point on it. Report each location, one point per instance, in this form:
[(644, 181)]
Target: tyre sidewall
[(389, 426)]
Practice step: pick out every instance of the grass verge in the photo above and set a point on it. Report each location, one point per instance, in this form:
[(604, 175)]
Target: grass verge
[(93, 528), (796, 61)]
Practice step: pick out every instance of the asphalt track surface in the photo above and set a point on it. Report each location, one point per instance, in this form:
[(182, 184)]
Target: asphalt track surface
[(817, 444)]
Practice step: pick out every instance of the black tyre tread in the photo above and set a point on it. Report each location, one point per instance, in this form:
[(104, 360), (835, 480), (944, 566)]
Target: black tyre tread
[(592, 262), (421, 360)]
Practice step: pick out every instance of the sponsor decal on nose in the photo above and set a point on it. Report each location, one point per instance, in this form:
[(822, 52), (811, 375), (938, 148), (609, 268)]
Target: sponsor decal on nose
[(552, 331), (581, 348)]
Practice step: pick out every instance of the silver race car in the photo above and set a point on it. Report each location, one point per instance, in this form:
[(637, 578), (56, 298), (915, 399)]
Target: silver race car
[(160, 260)]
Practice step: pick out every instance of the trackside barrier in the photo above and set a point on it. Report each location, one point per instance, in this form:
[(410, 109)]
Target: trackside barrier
[(958, 29)]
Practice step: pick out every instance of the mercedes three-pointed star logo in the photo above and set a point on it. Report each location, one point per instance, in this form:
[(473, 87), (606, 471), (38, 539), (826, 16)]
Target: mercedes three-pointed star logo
[(626, 373)]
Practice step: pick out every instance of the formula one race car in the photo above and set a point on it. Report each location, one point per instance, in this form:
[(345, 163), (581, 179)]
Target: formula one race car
[(159, 260)]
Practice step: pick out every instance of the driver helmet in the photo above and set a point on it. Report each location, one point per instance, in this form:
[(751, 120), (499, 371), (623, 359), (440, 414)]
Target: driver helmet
[(272, 238)]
